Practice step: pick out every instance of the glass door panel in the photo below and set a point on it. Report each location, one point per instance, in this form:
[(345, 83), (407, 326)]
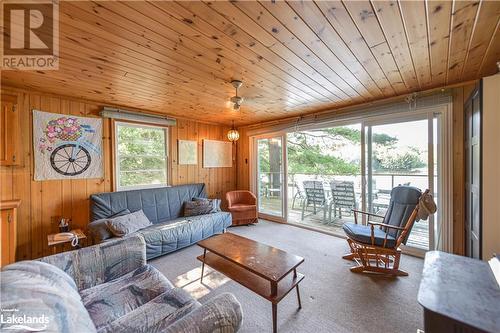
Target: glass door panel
[(270, 176), (324, 176), (398, 154)]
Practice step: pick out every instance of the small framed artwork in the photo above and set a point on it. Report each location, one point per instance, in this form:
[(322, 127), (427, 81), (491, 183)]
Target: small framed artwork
[(188, 152), (217, 154)]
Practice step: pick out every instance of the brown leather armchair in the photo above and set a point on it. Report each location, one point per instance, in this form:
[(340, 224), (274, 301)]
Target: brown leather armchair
[(243, 207)]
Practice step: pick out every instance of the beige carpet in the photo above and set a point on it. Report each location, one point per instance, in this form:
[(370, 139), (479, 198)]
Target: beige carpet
[(333, 298)]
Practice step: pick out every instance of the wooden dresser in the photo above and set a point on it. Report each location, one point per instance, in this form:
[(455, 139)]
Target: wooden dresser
[(8, 231), (459, 295)]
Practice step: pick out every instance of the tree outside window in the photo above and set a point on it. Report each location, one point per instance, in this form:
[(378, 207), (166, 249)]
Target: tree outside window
[(141, 156)]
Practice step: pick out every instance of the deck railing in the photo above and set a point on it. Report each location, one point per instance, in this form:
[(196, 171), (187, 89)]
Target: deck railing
[(380, 181), (381, 186)]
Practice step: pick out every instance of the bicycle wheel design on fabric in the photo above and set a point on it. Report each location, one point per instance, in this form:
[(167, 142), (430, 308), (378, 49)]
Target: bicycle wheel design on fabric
[(70, 159)]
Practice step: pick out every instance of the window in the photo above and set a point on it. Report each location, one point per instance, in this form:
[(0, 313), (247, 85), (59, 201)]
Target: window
[(141, 156)]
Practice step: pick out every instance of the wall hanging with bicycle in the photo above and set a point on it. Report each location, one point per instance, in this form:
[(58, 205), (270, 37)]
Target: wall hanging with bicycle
[(67, 146)]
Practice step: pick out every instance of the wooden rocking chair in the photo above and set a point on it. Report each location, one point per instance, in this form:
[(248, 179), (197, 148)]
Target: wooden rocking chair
[(375, 247)]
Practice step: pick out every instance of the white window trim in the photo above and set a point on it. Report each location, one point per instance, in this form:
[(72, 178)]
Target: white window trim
[(116, 156)]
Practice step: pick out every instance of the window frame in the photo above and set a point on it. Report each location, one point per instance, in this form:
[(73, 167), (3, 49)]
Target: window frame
[(116, 164)]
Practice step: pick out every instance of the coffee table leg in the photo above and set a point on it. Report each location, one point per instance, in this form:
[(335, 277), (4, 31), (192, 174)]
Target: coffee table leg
[(203, 265), (274, 292), (298, 297), (297, 287), (275, 317)]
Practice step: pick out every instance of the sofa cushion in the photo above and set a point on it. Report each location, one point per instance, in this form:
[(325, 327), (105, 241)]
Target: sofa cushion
[(96, 264), (111, 300), (39, 289), (126, 224), (121, 213), (221, 313), (362, 234), (156, 315), (159, 204), (197, 207), (173, 235)]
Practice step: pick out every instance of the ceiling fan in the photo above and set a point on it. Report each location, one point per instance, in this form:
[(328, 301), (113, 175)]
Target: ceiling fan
[(236, 100)]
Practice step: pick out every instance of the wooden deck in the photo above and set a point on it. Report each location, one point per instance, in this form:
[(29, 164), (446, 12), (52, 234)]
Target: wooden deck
[(419, 236)]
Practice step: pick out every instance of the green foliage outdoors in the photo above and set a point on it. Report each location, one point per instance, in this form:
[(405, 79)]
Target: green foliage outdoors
[(312, 160), (141, 152), (311, 153), (399, 162)]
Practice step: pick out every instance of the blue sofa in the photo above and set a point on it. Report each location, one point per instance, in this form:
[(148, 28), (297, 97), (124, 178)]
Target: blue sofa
[(163, 206), (106, 288)]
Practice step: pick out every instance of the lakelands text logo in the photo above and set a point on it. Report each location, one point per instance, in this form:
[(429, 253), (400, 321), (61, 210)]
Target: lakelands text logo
[(31, 34), (11, 319)]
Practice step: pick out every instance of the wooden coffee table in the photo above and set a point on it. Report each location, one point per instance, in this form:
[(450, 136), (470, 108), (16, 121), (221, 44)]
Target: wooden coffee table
[(267, 271)]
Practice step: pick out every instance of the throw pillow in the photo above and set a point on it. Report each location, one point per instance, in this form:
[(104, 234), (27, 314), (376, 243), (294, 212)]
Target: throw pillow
[(127, 224), (197, 207), (120, 213), (214, 202)]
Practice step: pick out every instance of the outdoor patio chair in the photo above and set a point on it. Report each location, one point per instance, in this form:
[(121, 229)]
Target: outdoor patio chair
[(315, 197), (375, 247), (299, 194), (343, 198)]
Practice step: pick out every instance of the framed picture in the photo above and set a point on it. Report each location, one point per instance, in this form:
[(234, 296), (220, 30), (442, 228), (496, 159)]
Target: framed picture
[(67, 146), (188, 152), (217, 154)]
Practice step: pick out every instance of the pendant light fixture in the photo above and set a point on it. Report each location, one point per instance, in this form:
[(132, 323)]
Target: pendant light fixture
[(233, 134)]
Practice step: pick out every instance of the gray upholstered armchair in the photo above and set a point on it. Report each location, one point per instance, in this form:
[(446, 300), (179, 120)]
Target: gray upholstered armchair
[(110, 288)]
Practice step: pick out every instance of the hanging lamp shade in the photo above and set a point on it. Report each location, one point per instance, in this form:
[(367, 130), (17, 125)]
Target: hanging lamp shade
[(233, 135)]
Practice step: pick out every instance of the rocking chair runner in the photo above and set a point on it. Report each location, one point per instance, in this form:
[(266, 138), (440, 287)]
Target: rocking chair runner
[(377, 249)]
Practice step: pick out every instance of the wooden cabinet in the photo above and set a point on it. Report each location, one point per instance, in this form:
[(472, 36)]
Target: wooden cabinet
[(8, 231), (10, 141), (490, 164)]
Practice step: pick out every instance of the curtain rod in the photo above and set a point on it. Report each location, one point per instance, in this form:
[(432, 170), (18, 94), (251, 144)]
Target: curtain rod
[(115, 113), (325, 118)]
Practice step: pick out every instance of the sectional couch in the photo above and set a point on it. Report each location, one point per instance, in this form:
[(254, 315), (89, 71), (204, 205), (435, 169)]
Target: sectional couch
[(163, 206), (106, 288)]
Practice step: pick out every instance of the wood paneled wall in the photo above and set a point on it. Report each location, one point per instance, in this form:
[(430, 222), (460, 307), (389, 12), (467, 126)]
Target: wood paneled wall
[(460, 95), (217, 180), (43, 202)]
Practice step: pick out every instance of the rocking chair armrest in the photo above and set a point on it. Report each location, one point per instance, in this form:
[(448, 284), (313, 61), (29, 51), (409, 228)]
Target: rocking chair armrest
[(367, 213), (386, 225)]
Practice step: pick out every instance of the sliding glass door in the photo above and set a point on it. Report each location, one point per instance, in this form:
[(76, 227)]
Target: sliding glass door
[(270, 176), (314, 177), (324, 176), (401, 153)]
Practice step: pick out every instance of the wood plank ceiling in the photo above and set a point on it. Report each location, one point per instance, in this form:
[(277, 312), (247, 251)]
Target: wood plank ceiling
[(293, 57)]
